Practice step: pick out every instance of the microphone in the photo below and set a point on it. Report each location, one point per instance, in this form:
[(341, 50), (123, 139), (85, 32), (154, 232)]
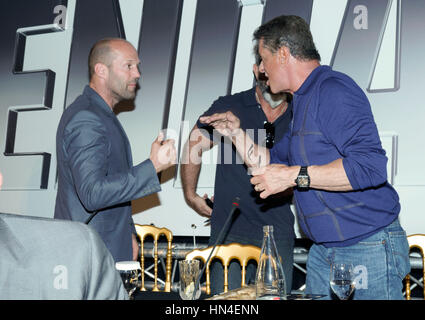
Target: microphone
[(235, 205), (91, 216)]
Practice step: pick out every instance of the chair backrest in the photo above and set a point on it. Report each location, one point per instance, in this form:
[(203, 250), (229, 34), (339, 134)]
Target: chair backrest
[(148, 230), (416, 241), (226, 253)]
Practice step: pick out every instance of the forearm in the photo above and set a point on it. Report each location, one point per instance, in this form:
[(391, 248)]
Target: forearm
[(254, 155), (276, 178), (192, 161), (190, 169), (189, 177), (228, 124), (329, 177)]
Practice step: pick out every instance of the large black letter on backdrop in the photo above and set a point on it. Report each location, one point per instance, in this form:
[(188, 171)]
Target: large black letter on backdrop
[(275, 8), (94, 20), (23, 91)]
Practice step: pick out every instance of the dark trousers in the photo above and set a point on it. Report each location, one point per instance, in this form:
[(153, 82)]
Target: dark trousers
[(285, 247)]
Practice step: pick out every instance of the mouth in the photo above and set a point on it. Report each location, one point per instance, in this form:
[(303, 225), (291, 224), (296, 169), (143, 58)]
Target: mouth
[(268, 78)]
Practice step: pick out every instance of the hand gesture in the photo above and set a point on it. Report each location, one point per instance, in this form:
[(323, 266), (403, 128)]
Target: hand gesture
[(273, 179), (225, 123), (163, 153), (199, 204)]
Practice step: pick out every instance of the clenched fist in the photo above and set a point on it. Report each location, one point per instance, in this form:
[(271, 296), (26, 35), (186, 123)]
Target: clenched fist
[(163, 153)]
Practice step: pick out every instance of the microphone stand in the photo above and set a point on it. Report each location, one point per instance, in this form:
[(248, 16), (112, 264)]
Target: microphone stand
[(235, 206), (91, 216)]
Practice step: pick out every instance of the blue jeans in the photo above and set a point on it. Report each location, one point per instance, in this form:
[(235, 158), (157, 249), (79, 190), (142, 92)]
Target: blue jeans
[(285, 247), (380, 261)]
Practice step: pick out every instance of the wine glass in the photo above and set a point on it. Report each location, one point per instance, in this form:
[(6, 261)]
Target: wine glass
[(342, 280), (130, 273), (189, 272)]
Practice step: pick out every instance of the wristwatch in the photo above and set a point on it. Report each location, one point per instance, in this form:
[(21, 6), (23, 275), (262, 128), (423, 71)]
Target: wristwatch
[(303, 179)]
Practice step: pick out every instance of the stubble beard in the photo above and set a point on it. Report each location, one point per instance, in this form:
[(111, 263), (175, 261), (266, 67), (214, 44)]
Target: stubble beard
[(122, 91)]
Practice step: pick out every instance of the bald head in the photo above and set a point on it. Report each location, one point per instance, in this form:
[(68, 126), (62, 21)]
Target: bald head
[(114, 70), (103, 51)]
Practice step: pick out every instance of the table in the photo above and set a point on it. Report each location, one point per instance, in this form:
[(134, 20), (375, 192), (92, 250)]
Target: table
[(245, 293), (248, 293), (150, 295)]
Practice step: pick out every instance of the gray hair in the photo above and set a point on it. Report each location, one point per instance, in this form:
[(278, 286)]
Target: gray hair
[(289, 31)]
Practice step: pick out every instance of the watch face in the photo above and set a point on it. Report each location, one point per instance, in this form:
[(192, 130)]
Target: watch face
[(303, 181)]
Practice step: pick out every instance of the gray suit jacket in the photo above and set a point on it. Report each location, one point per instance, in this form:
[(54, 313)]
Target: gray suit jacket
[(44, 258), (96, 172)]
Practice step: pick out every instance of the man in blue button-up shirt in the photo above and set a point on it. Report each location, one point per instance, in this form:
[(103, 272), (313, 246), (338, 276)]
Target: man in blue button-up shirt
[(335, 163)]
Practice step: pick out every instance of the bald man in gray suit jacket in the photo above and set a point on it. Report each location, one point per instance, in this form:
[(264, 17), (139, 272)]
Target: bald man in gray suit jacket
[(43, 258), (95, 168)]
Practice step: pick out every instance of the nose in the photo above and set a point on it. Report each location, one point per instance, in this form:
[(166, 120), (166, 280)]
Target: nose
[(261, 67), (136, 73)]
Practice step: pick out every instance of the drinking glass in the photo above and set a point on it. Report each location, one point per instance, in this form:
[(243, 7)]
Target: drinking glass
[(130, 273), (189, 272), (342, 280)]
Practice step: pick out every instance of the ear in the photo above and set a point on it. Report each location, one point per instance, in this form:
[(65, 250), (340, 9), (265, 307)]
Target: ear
[(256, 70), (283, 55), (101, 70)]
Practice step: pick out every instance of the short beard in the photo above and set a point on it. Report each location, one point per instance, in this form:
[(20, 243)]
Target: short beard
[(119, 89), (273, 99), (123, 94)]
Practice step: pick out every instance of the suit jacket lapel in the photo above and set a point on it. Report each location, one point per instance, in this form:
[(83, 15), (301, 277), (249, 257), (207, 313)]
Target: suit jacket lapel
[(126, 141), (108, 112)]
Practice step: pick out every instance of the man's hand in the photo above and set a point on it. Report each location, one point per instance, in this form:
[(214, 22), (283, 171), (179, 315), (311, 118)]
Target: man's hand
[(225, 123), (274, 178), (163, 153), (199, 204)]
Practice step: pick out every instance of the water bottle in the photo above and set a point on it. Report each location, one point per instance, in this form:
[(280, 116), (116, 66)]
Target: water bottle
[(270, 280)]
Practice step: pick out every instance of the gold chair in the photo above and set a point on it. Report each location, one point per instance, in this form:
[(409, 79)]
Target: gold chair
[(416, 241), (146, 230), (226, 253)]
